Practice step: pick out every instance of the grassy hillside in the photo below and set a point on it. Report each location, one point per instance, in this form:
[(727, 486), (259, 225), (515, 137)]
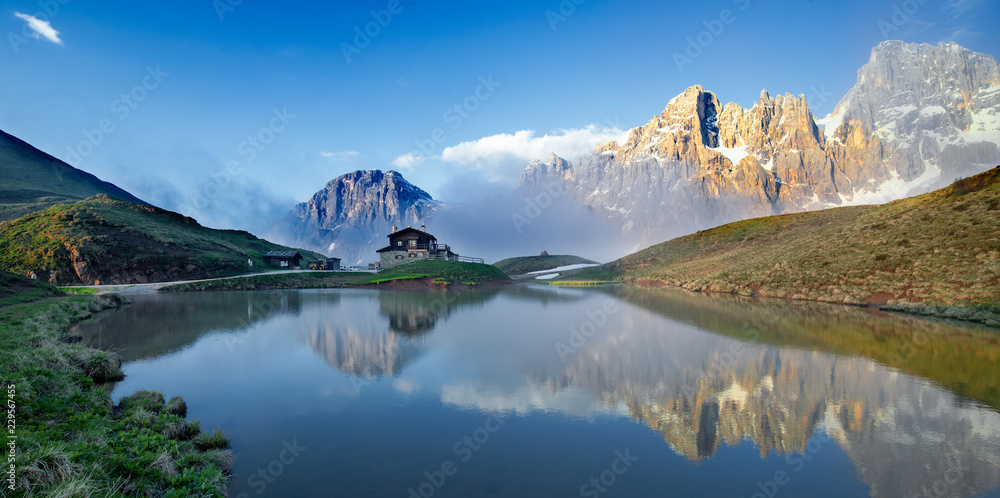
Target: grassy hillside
[(942, 247), (31, 180), (528, 264), (105, 240)]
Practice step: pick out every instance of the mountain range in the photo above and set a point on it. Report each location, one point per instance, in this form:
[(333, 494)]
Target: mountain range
[(918, 118)]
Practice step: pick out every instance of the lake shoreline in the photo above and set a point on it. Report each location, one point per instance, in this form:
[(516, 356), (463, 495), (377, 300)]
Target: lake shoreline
[(985, 314), (71, 435)]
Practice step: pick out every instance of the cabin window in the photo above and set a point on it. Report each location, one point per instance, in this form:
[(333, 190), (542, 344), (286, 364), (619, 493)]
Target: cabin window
[(413, 242), (399, 256), (413, 255), (399, 243)]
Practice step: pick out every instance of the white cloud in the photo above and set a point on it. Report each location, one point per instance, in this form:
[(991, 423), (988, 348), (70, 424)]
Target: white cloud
[(503, 156), (408, 161), (340, 156), (41, 28), (958, 8)]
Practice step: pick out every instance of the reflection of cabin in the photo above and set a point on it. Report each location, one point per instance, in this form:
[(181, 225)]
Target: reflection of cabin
[(283, 259), (326, 264), (409, 245)]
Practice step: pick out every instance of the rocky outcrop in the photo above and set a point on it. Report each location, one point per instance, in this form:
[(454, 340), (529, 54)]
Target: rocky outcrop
[(930, 114), (350, 217), (919, 117)]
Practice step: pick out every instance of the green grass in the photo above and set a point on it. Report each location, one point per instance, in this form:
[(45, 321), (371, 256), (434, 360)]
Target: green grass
[(105, 240), (440, 271), (78, 290), (298, 280), (938, 248), (71, 439), (528, 264), (15, 289)]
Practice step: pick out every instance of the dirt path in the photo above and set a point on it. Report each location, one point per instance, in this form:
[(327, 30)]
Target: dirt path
[(127, 289)]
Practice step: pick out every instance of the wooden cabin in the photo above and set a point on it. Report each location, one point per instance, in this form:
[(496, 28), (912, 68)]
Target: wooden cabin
[(409, 245), (283, 259)]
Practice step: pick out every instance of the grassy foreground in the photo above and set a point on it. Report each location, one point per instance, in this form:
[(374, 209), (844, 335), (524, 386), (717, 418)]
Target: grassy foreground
[(940, 249), (71, 440), (528, 264), (436, 272)]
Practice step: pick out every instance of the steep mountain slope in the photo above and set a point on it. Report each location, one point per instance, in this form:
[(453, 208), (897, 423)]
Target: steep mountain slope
[(936, 111), (938, 248), (108, 241), (918, 116), (350, 217), (31, 180)]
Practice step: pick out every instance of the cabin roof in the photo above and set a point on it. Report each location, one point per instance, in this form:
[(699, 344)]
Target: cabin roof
[(408, 231), (282, 254)]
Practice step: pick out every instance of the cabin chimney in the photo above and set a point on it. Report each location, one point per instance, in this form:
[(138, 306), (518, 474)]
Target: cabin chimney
[(423, 228), (394, 229)]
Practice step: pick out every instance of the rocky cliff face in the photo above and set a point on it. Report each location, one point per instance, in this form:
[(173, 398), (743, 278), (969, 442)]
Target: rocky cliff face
[(935, 112), (919, 117), (350, 217)]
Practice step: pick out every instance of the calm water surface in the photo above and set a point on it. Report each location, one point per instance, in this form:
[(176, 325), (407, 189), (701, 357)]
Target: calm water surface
[(537, 391)]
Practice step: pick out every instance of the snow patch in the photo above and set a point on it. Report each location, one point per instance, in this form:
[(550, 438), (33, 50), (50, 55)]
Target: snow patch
[(932, 110), (985, 126), (734, 154), (547, 277), (895, 188), (565, 268), (831, 122)]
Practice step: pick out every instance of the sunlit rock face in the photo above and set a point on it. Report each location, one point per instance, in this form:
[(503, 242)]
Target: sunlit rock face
[(919, 117), (351, 216)]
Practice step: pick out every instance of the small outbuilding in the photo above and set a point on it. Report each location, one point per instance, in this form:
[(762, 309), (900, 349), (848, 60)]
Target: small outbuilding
[(283, 259), (326, 264)]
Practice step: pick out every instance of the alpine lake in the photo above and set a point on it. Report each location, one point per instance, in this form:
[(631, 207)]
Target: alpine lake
[(532, 390)]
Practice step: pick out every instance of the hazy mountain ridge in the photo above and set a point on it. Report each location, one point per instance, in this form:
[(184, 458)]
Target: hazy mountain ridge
[(352, 214), (699, 164)]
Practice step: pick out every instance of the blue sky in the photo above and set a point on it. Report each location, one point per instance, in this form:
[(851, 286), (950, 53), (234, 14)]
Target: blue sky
[(456, 95)]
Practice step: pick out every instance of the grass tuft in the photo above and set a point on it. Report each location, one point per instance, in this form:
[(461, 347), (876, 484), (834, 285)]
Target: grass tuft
[(215, 440), (151, 401), (176, 406)]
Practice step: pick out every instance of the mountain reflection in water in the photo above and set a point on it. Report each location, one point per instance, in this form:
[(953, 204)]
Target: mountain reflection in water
[(911, 402)]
